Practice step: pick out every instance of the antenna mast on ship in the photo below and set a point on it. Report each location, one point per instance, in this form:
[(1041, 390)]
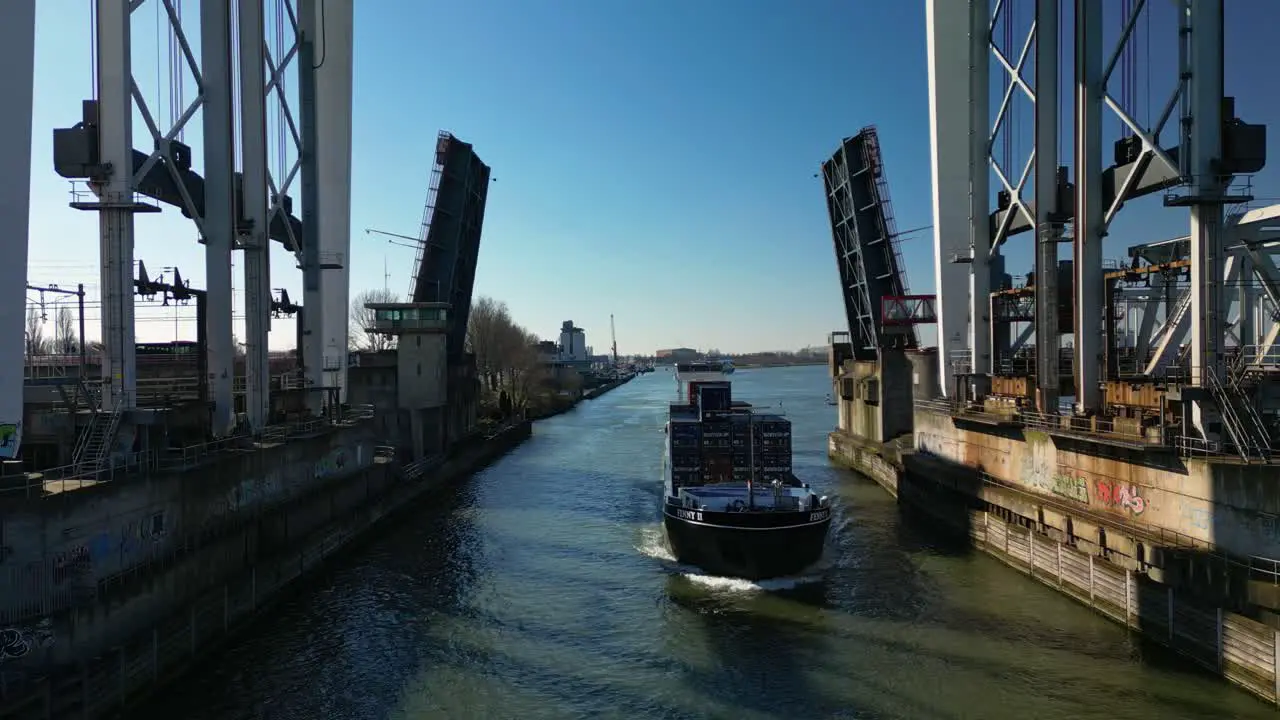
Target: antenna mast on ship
[(751, 476)]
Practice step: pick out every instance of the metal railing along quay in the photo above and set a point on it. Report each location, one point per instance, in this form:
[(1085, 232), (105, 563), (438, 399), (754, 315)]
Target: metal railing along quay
[(1259, 568), (1184, 445), (71, 477)]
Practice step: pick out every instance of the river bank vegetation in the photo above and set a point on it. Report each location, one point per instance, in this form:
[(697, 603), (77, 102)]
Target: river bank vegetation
[(513, 378)]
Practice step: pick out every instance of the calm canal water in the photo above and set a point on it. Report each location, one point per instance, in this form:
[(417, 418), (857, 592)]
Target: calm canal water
[(541, 588)]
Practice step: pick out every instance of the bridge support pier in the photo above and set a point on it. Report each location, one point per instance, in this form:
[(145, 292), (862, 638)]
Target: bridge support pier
[(325, 70), (17, 56), (219, 206), (256, 242), (116, 204)]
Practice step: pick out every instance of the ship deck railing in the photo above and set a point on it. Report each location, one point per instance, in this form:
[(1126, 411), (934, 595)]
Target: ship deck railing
[(786, 501), (680, 411)]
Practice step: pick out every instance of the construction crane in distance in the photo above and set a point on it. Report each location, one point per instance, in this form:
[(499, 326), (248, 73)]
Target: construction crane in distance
[(613, 335)]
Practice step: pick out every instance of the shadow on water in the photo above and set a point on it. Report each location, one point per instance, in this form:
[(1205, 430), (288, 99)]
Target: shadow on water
[(920, 531)]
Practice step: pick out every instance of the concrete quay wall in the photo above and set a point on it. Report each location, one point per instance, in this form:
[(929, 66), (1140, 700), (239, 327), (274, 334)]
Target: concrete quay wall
[(1214, 503), (1087, 543), (150, 624), (599, 390), (61, 551)]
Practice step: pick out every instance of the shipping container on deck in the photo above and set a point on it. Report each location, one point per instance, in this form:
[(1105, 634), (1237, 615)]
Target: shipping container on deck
[(717, 456), (684, 443), (685, 410), (681, 428), (714, 397), (685, 478), (686, 460), (715, 436), (717, 465), (741, 459)]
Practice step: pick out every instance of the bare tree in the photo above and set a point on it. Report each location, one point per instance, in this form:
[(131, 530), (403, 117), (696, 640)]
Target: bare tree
[(527, 371), (37, 343), (514, 353), (506, 353), (65, 339), (361, 317), (486, 325)]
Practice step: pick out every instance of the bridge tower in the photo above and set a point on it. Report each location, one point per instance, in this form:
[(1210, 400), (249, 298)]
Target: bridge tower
[(1188, 146)]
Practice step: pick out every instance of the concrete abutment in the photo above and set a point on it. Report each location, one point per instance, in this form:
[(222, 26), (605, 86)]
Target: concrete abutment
[(1101, 530), (147, 623)]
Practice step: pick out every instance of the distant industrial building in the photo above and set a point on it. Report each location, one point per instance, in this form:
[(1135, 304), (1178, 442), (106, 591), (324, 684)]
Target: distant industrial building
[(548, 352), (677, 355)]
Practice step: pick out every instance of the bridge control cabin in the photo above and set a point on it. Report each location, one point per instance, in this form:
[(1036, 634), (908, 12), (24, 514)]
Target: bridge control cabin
[(422, 402)]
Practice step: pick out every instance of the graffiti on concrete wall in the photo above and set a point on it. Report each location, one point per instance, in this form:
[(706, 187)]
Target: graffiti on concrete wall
[(12, 644), (255, 491), (16, 643), (72, 564), (1037, 471), (107, 550), (1119, 496), (1193, 515), (1070, 487), (334, 463), (140, 537), (10, 438)]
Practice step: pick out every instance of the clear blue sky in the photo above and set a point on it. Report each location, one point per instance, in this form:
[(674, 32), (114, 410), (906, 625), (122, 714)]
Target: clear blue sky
[(655, 160)]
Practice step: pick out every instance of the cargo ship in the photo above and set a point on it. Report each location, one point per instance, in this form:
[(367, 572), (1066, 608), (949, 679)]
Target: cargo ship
[(732, 506)]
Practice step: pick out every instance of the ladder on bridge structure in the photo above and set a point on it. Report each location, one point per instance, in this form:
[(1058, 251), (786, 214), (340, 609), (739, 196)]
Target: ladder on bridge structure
[(1245, 426), (94, 446), (428, 215), (1166, 333)]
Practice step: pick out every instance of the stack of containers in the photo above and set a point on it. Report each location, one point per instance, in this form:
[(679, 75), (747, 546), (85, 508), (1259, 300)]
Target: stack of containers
[(713, 399), (686, 443), (772, 446), (740, 440)]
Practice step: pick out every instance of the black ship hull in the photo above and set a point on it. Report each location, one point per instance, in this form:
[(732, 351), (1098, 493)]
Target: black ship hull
[(749, 545)]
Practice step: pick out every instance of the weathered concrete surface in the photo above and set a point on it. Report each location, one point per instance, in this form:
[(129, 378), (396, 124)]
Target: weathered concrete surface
[(59, 549), (863, 457), (149, 625), (1092, 551), (1227, 506), (874, 398)]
